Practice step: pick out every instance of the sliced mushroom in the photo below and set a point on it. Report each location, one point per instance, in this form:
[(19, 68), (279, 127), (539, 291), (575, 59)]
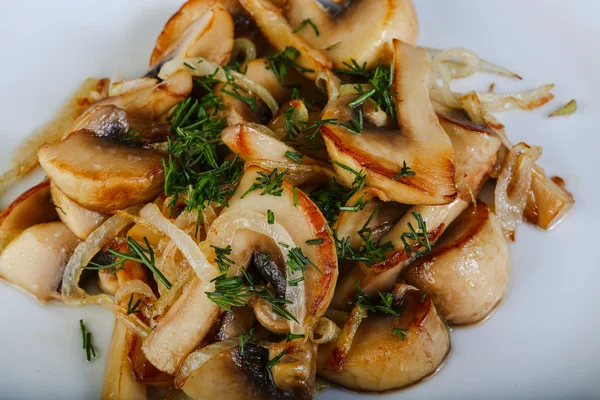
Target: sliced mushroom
[(300, 217), (421, 144), (36, 259), (362, 31), (152, 101), (467, 273), (30, 208), (548, 200), (78, 219), (475, 148), (189, 12), (382, 276), (280, 34), (210, 36), (245, 373), (119, 382), (234, 324), (380, 360), (183, 327), (253, 144), (130, 85), (102, 174)]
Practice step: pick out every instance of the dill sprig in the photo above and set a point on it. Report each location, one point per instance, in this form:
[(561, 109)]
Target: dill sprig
[(223, 262), (245, 338), (280, 61), (304, 24), (271, 184), (192, 167), (294, 156), (401, 333), (86, 339), (421, 237), (404, 172), (275, 360), (132, 308), (370, 252), (142, 255), (384, 306), (355, 125)]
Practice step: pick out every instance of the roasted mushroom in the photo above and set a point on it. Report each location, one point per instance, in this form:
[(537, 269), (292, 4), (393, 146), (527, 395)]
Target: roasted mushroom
[(209, 36), (102, 174), (78, 219), (384, 154), (380, 359), (383, 275), (467, 272), (36, 259), (190, 11), (247, 373)]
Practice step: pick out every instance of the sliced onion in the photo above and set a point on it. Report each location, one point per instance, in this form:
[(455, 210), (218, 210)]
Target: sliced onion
[(330, 83), (245, 46), (139, 221), (465, 62), (167, 299), (130, 85), (512, 188), (340, 352), (325, 331), (525, 100), (198, 358), (72, 294), (190, 250), (231, 221), (134, 286), (202, 67), (348, 89)]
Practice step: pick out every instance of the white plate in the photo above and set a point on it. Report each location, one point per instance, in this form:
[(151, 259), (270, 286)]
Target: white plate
[(542, 343)]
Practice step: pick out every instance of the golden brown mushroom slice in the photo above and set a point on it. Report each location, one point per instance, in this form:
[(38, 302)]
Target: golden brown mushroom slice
[(253, 143), (467, 272), (421, 144), (189, 12), (362, 31), (301, 219), (119, 382), (152, 101), (210, 36), (548, 200), (275, 27), (475, 149), (35, 260), (383, 275), (30, 208), (102, 174), (380, 359), (245, 372), (78, 219)]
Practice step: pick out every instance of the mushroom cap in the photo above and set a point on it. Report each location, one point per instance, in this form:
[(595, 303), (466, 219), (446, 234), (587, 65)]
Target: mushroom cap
[(30, 208), (421, 144), (102, 174), (209, 36), (467, 272), (363, 30), (78, 219), (190, 11), (379, 360), (36, 259), (303, 222)]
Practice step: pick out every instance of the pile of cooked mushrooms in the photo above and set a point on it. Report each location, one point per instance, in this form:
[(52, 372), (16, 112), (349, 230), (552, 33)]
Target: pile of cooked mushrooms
[(290, 191)]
